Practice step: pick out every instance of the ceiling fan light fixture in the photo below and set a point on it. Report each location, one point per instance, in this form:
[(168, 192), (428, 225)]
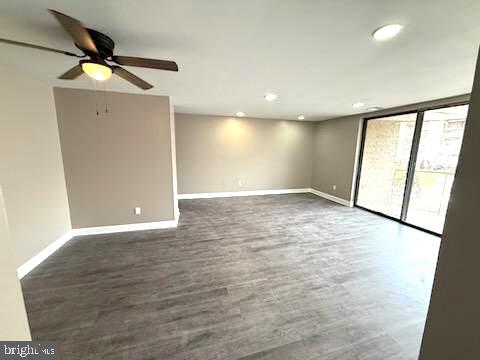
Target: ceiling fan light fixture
[(99, 48), (96, 71)]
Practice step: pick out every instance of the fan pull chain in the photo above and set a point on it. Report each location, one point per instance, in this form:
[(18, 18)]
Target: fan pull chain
[(96, 98), (105, 98)]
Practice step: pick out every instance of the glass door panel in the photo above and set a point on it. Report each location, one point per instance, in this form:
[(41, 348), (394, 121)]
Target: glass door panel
[(386, 155), (439, 147)]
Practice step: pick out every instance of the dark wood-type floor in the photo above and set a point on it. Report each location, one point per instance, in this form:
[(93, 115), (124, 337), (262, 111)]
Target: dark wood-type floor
[(264, 277)]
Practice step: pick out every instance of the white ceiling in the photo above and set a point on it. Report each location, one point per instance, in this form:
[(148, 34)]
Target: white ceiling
[(318, 56)]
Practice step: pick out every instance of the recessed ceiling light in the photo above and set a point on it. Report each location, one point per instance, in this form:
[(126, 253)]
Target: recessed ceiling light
[(270, 97), (301, 117), (386, 32), (358, 105), (375, 108), (240, 114)]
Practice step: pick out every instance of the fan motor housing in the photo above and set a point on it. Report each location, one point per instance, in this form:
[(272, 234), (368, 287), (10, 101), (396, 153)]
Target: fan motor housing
[(104, 44)]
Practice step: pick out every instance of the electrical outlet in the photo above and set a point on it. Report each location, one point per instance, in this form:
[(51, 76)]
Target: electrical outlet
[(137, 211), (334, 187)]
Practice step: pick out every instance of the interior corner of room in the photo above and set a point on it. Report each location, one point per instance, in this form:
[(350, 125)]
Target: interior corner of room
[(229, 209)]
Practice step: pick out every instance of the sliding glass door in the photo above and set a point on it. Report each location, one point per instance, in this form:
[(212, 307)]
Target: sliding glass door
[(408, 163), (386, 154), (437, 157)]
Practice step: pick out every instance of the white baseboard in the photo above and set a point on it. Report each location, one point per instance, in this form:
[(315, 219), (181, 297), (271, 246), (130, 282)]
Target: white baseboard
[(124, 228), (177, 214), (50, 249), (241, 193), (332, 198), (45, 253)]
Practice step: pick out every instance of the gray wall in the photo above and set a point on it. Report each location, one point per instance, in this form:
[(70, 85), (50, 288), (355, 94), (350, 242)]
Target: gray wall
[(31, 169), (214, 153), (337, 143), (117, 160), (451, 331), (13, 317), (334, 156)]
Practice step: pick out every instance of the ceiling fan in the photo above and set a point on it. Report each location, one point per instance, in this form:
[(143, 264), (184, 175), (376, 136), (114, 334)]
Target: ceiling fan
[(98, 48)]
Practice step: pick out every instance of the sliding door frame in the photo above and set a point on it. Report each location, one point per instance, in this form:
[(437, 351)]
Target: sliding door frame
[(411, 164)]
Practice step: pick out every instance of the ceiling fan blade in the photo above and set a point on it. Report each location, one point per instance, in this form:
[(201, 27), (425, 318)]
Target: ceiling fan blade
[(76, 30), (33, 46), (127, 75), (73, 73), (146, 63)]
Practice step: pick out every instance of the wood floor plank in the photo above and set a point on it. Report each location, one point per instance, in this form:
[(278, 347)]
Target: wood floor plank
[(261, 277)]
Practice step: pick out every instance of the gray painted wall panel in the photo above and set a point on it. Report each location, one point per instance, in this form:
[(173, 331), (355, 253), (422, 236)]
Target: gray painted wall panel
[(214, 153), (116, 161)]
